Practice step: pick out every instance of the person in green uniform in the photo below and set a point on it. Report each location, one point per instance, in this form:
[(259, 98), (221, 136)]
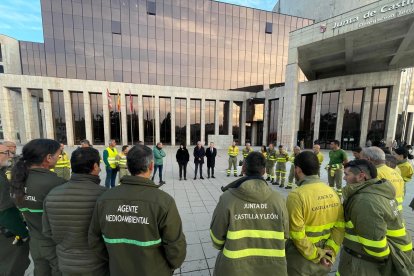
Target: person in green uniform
[(122, 162), (337, 159), (291, 184), (62, 167), (281, 158), (245, 152), (13, 233), (270, 164), (138, 225), (31, 182)]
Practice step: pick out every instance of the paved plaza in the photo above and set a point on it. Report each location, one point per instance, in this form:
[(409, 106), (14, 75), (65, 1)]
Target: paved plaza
[(196, 200)]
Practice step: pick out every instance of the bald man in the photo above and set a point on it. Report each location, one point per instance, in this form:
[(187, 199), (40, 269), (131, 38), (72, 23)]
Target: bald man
[(319, 155)]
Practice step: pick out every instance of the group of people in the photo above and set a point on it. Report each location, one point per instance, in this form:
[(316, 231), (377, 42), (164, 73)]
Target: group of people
[(76, 226)]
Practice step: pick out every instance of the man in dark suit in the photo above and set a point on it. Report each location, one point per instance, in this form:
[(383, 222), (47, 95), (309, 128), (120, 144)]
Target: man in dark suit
[(199, 154), (211, 153)]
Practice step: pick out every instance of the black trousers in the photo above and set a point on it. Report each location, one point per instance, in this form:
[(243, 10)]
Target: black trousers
[(183, 168), (208, 171), (196, 168)]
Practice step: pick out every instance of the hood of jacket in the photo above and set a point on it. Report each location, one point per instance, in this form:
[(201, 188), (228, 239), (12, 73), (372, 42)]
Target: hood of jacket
[(373, 186), (253, 190)]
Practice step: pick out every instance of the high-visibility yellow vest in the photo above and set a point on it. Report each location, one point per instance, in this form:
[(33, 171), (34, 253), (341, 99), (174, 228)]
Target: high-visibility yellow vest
[(233, 151), (122, 161), (246, 152), (112, 154), (282, 157), (63, 161), (406, 171), (385, 172)]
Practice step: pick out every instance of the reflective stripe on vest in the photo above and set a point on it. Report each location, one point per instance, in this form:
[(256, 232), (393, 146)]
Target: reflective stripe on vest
[(123, 162), (63, 161), (133, 242)]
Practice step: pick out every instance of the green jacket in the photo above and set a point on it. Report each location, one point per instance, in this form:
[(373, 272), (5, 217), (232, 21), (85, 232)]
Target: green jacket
[(159, 154), (5, 200), (249, 227), (372, 220), (140, 228), (271, 157), (38, 185)]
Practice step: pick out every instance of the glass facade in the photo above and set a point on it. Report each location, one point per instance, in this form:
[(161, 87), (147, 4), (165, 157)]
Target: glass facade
[(115, 119), (165, 120), (195, 121), (223, 119), (180, 121), (273, 118), (307, 119), (237, 115), (148, 104), (78, 116), (204, 44), (98, 137), (378, 115), (132, 118), (58, 113), (210, 119), (351, 128), (329, 112)]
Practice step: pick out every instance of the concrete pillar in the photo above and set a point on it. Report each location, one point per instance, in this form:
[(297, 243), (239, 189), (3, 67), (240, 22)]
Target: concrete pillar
[(203, 121), (393, 107), (88, 116), (140, 118), (6, 112), (231, 118), (68, 118), (27, 114), (47, 100), (410, 129), (243, 123), (366, 109), (106, 119), (188, 128), (216, 118), (340, 115), (173, 121), (156, 105), (317, 115), (124, 121), (265, 121)]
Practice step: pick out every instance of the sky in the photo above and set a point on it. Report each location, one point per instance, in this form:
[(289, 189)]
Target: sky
[(21, 19)]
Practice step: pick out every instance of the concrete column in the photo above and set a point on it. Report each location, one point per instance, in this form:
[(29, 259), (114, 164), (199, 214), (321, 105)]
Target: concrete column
[(340, 115), (410, 129), (47, 100), (156, 104), (393, 105), (203, 121), (88, 116), (265, 121), (6, 112), (188, 128), (124, 121), (243, 123), (172, 121), (216, 118), (366, 108), (106, 114), (68, 117), (317, 115), (231, 118), (140, 118), (27, 114)]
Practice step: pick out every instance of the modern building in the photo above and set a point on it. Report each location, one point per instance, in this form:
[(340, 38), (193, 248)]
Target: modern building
[(178, 71), (191, 69)]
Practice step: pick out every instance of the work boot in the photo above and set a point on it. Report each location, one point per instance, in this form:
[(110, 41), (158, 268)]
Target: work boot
[(162, 182), (281, 185), (288, 187), (268, 178), (241, 174), (195, 177), (202, 178), (228, 175), (273, 183), (152, 178), (235, 175), (212, 176), (185, 178), (180, 178)]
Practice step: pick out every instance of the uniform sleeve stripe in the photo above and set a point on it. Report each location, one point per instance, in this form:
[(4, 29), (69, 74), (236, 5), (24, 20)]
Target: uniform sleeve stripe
[(333, 245), (381, 254), (297, 235), (215, 240), (318, 239), (253, 252), (396, 233), (377, 244), (31, 210), (133, 242), (405, 248), (261, 234), (320, 228)]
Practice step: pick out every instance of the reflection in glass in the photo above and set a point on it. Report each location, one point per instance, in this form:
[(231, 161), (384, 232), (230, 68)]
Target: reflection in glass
[(223, 119), (195, 122), (307, 119), (329, 112), (58, 113), (273, 121), (237, 115), (115, 118), (351, 128), (149, 119), (78, 115), (97, 119), (378, 115), (165, 120), (210, 119), (180, 121), (132, 118)]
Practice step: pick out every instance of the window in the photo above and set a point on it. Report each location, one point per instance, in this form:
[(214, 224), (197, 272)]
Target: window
[(180, 121), (97, 118), (378, 115), (210, 119), (329, 112), (1, 69), (115, 118), (132, 118), (237, 115), (151, 8), (78, 114), (269, 28), (165, 120), (195, 122), (223, 119), (116, 27), (273, 120), (148, 103), (351, 128), (307, 119), (58, 113), (1, 55)]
